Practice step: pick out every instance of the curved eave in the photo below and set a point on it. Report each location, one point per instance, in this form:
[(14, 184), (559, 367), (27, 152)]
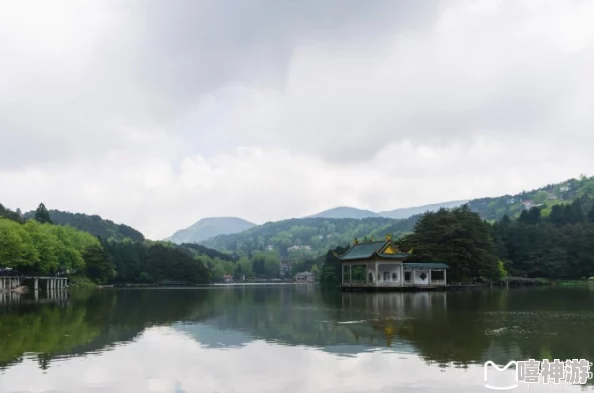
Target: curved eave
[(398, 257), (388, 257)]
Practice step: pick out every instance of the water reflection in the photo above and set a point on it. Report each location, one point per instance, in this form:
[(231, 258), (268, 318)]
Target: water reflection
[(446, 329)]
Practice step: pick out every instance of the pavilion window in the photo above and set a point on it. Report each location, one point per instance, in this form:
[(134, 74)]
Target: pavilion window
[(437, 275)]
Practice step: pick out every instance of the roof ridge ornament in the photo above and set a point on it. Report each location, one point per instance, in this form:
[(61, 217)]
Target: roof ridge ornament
[(388, 237), (356, 241)]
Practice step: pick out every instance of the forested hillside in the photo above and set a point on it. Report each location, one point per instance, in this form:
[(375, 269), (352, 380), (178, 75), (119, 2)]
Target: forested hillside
[(544, 198), (555, 243), (308, 237), (94, 224), (104, 252), (559, 245)]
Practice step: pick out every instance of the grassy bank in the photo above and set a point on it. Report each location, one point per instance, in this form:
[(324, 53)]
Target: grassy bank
[(82, 283)]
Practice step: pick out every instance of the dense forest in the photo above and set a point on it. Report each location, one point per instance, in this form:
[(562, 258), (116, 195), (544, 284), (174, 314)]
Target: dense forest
[(307, 238), (93, 224), (551, 236), (494, 209), (555, 244), (552, 244), (435, 235), (458, 237), (103, 251)]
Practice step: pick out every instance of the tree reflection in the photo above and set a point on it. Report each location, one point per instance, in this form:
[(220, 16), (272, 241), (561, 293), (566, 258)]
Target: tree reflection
[(446, 328)]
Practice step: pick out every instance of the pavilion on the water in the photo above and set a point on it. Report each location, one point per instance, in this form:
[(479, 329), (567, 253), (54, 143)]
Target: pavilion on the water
[(380, 264)]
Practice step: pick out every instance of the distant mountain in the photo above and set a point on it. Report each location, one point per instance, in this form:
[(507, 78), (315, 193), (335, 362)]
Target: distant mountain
[(411, 211), (94, 224), (209, 227), (310, 236), (345, 212), (544, 198)]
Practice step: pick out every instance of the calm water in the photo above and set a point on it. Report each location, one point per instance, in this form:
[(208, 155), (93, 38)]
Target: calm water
[(290, 338)]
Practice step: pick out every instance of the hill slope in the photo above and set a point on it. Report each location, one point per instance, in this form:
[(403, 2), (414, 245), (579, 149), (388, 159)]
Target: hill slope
[(308, 237), (312, 236), (94, 224), (345, 212), (411, 211), (208, 227), (543, 197)]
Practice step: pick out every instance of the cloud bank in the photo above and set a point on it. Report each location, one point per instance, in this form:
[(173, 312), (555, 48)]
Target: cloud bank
[(157, 114)]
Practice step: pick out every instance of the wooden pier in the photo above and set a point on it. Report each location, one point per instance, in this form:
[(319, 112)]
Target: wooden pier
[(35, 283)]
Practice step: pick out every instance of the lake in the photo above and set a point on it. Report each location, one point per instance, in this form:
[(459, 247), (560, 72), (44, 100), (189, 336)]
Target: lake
[(287, 338)]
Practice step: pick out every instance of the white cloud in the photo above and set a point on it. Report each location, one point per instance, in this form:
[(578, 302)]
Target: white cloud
[(173, 362), (146, 117)]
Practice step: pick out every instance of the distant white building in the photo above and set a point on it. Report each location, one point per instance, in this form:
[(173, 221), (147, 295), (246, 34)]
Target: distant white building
[(305, 277), (298, 248)]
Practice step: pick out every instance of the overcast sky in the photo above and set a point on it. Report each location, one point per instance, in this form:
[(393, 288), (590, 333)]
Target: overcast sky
[(158, 113)]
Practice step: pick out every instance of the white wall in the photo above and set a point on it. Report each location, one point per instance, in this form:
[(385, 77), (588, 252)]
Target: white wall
[(390, 269), (417, 277)]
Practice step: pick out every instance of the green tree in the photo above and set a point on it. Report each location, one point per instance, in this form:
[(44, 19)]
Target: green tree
[(315, 270), (458, 237), (42, 215), (331, 273), (99, 266), (591, 215)]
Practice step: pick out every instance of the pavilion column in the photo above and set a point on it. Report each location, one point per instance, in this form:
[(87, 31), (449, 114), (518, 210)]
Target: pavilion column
[(401, 274), (350, 274), (430, 278), (343, 274), (36, 284), (1, 284), (376, 274), (445, 277)]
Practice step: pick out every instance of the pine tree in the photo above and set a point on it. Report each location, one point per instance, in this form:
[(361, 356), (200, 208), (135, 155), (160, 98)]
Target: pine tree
[(591, 215), (42, 215)]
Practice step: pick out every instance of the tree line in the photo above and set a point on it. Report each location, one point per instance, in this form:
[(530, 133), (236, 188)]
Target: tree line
[(36, 246), (554, 243)]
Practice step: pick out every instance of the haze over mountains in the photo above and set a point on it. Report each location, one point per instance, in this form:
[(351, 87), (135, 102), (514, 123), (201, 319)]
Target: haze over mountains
[(490, 208), (406, 212), (209, 227)]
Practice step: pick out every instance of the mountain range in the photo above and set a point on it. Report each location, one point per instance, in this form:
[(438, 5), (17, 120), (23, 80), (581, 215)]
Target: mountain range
[(209, 227), (490, 208), (216, 231)]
